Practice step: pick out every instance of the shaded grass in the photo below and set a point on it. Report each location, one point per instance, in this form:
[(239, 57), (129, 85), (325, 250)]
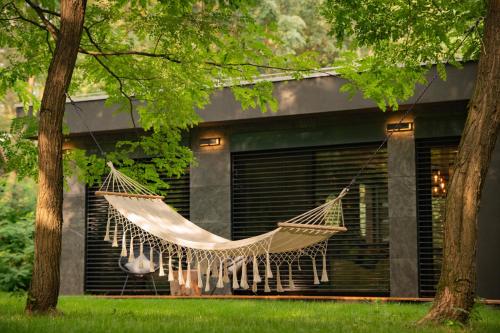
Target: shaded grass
[(89, 314)]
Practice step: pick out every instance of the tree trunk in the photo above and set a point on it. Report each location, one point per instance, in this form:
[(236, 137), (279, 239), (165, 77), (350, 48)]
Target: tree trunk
[(44, 288), (456, 289)]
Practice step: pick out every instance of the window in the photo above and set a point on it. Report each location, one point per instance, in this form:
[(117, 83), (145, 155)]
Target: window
[(434, 158), (272, 186)]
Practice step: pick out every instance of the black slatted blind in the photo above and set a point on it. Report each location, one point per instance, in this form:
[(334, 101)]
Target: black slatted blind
[(273, 186), (434, 158), (102, 274)]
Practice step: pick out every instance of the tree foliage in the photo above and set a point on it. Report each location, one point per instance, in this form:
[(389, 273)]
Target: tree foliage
[(16, 233), (162, 58), (403, 39), (300, 26)]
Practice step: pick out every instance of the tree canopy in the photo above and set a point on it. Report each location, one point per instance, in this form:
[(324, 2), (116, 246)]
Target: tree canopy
[(168, 55), (402, 40)]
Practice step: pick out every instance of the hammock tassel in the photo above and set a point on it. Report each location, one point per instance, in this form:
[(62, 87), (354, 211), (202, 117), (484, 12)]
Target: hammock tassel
[(131, 256), (279, 286), (291, 284), (254, 287), (269, 273), (115, 236), (244, 279), (141, 255), (106, 236), (315, 271), (235, 277), (124, 244), (207, 279), (151, 260), (324, 274), (180, 275), (198, 270), (266, 285), (215, 270), (226, 273), (188, 275), (160, 263), (170, 270), (256, 276), (220, 279)]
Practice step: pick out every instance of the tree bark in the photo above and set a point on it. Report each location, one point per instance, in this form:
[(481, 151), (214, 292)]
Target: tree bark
[(456, 289), (44, 288)]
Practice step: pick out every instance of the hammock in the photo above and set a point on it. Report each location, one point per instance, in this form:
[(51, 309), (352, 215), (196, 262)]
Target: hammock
[(141, 217)]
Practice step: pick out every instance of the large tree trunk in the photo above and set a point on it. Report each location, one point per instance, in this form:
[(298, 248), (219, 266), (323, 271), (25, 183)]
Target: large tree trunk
[(44, 288), (456, 289)]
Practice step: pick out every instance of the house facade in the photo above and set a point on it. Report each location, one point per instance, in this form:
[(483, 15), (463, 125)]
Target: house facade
[(255, 169)]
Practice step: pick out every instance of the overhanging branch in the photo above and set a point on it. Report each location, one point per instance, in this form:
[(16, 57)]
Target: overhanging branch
[(121, 88), (54, 31)]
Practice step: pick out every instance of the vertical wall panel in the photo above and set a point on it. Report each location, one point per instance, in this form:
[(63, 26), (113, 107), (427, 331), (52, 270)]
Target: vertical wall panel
[(273, 186)]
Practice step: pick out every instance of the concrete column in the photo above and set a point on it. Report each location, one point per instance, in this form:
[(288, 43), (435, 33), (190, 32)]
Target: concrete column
[(73, 239), (210, 199), (210, 203), (402, 215)]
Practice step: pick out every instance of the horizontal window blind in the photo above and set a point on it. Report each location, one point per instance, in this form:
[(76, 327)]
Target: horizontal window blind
[(275, 185), (434, 161), (102, 273)]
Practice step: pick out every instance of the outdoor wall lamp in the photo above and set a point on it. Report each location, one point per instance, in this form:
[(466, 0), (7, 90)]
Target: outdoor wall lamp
[(207, 142), (400, 127)]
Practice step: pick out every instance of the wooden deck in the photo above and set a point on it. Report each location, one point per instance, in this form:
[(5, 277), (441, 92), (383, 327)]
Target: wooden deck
[(293, 298)]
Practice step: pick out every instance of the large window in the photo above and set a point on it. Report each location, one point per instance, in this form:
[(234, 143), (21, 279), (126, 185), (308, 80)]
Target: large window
[(272, 186), (434, 168), (102, 274)]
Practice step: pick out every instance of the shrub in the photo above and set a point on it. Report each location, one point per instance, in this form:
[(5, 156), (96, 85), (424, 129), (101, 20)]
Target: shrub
[(17, 207)]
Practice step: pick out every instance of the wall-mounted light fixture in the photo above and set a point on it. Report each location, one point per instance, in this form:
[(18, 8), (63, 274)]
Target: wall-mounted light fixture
[(206, 142), (400, 127)]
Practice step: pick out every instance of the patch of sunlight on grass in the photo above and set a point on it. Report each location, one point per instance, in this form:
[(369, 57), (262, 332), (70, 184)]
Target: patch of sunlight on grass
[(90, 314)]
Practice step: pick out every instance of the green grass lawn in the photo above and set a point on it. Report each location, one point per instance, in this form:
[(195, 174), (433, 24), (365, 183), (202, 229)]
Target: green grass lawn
[(89, 314)]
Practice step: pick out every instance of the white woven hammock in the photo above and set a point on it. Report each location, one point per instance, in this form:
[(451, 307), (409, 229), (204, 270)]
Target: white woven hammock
[(141, 217)]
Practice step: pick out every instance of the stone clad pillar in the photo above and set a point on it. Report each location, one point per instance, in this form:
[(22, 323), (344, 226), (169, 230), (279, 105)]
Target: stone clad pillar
[(402, 215), (210, 180), (73, 239), (210, 189)]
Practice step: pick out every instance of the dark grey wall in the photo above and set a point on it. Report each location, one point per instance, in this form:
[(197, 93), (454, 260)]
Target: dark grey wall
[(321, 94), (309, 96)]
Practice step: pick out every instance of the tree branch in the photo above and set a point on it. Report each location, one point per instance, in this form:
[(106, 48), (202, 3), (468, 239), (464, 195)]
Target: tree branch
[(131, 53), (10, 18), (6, 5), (122, 90), (54, 31), (47, 39), (169, 57), (23, 18), (92, 41)]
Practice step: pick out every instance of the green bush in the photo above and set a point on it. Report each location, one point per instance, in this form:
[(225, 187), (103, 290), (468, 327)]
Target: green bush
[(17, 207)]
